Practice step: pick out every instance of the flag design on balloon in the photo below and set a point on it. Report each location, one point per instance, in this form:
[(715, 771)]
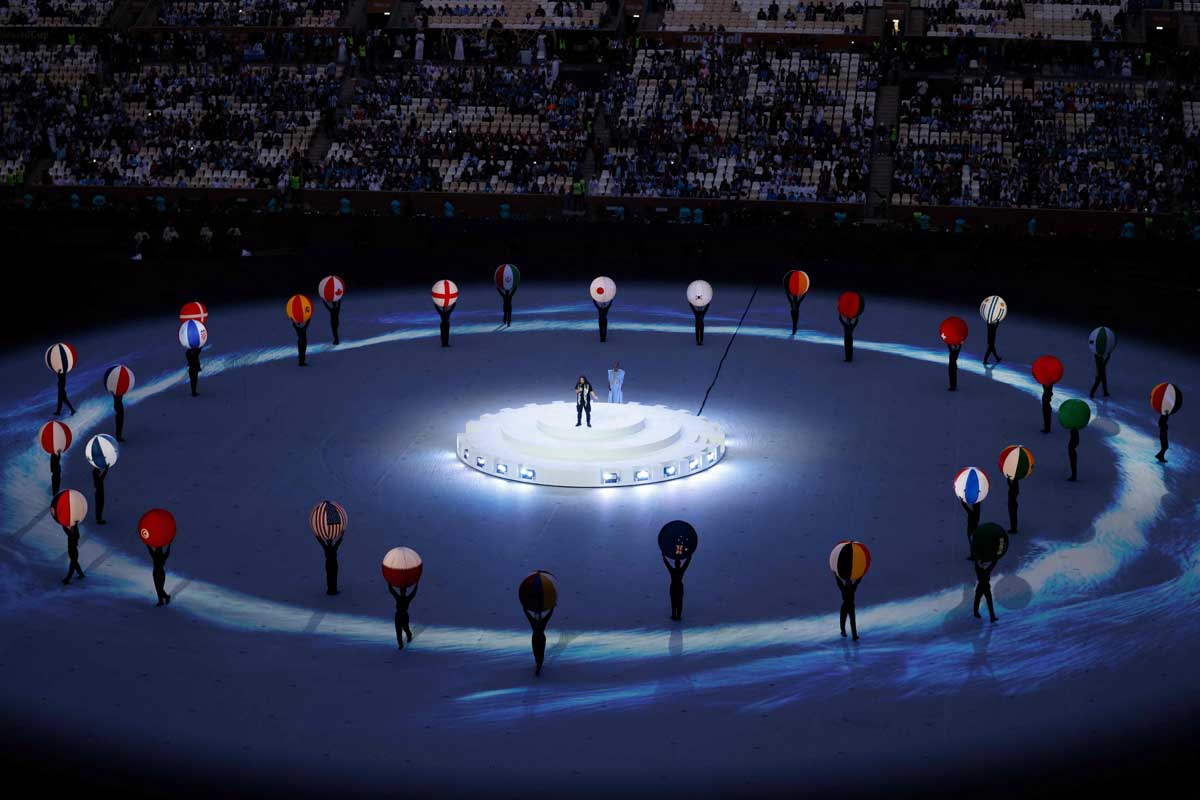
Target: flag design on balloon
[(445, 294), (507, 277), (851, 305), (118, 380), (850, 560), (699, 293), (971, 485), (101, 451), (54, 437), (1047, 370), (988, 542), (1166, 398), (1016, 462), (60, 357), (69, 508), (193, 334), (1102, 341), (677, 539), (953, 331), (156, 527), (993, 309), (299, 309), (194, 310), (538, 592), (1074, 414), (795, 283), (603, 290), (328, 520), (331, 288), (402, 567)]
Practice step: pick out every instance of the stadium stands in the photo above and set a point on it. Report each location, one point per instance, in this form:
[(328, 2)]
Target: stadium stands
[(54, 13), (514, 14), (288, 13), (1025, 19), (764, 16)]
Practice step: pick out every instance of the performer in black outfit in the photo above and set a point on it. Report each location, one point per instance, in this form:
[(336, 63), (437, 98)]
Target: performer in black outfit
[(55, 473), (98, 476), (158, 555), (1162, 438), (403, 598), (1101, 374), (677, 571), (699, 312), (538, 624), (983, 587), (507, 299), (193, 361), (331, 564), (602, 308), (991, 343), (73, 553), (954, 351), (335, 311), (302, 340), (1072, 446), (119, 412), (973, 511), (848, 326), (583, 400), (1047, 394), (848, 588), (62, 395), (794, 307), (1014, 489), (445, 313)]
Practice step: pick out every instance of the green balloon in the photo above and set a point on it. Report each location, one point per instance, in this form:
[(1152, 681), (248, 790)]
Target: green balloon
[(988, 542), (1074, 414)]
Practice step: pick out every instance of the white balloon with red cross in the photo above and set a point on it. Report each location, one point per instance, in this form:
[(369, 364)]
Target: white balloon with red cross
[(445, 294)]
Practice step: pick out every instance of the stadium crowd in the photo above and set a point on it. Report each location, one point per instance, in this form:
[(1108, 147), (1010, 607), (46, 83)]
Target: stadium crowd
[(305, 13)]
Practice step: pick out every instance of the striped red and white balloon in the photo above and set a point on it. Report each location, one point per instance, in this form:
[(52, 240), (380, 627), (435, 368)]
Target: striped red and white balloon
[(328, 520), (850, 560), (402, 567), (444, 294), (68, 508), (101, 451), (60, 357), (507, 277), (971, 485), (193, 334), (118, 380), (603, 289), (1166, 398), (193, 310), (331, 288), (1016, 462), (54, 437)]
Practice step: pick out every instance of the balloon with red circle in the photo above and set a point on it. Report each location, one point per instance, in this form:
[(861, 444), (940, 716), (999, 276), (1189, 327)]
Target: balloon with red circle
[(851, 305), (156, 528), (1047, 370), (953, 331)]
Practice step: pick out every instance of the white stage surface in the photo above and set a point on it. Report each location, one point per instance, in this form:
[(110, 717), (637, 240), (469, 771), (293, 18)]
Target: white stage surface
[(627, 445)]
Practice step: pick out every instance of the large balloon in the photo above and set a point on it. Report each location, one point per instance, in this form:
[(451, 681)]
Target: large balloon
[(850, 560), (988, 542), (699, 293), (402, 567), (953, 331), (157, 527), (60, 357), (445, 294), (193, 334), (101, 451), (194, 310), (1102, 341), (796, 283), (68, 508), (1074, 414), (54, 437), (538, 592), (1047, 370), (851, 305), (507, 277), (603, 290), (328, 520), (299, 309), (971, 485), (677, 539), (1016, 462), (118, 380), (331, 288), (993, 309), (1166, 398)]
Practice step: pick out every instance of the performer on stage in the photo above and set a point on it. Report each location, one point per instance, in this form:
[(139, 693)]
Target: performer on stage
[(158, 556), (954, 351), (677, 571), (616, 380), (444, 313), (302, 340), (538, 623), (983, 587), (331, 563), (973, 510), (1072, 452), (991, 343), (1047, 395), (335, 313), (72, 553), (119, 412), (848, 326), (848, 588), (192, 354), (98, 476), (602, 309), (698, 312), (794, 307), (55, 473), (583, 400), (61, 376), (1162, 438), (403, 599), (1014, 489)]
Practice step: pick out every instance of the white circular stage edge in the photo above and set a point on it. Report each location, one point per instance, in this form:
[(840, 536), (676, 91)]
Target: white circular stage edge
[(628, 445)]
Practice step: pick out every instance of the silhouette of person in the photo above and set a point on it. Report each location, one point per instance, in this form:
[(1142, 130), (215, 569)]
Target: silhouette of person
[(302, 341), (954, 351), (98, 476), (677, 571), (119, 411), (538, 623), (1101, 374), (55, 473), (506, 297), (331, 564), (973, 511), (403, 599), (602, 308), (991, 343), (1047, 394), (193, 361), (72, 553), (445, 313), (848, 326), (335, 313), (1072, 447), (698, 312), (1014, 489), (583, 400), (158, 555), (794, 308), (983, 587), (1162, 438), (848, 589), (616, 384), (62, 394)]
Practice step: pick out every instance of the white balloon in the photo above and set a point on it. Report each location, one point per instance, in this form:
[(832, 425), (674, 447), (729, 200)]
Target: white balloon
[(603, 290), (699, 293)]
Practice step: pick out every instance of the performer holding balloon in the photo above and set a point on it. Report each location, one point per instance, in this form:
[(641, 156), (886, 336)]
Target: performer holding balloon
[(1165, 399), (55, 438), (953, 332), (60, 359), (193, 335), (445, 298), (993, 309), (603, 290), (101, 452), (118, 380), (156, 528), (1102, 342), (1047, 370), (616, 383), (849, 561), (850, 308), (971, 486), (507, 278), (299, 311), (402, 569), (69, 508), (699, 294), (677, 540), (328, 522), (331, 289), (1016, 462), (795, 286), (989, 543), (1074, 415), (538, 594)]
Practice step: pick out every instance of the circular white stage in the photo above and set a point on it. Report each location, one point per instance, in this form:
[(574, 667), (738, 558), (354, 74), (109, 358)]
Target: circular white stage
[(627, 445)]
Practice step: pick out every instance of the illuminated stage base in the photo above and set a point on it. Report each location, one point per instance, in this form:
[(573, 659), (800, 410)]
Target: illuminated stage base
[(627, 445)]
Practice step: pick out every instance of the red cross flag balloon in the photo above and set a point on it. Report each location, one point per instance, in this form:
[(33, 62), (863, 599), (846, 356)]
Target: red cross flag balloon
[(118, 380), (953, 331), (156, 528), (850, 560), (1047, 370), (60, 358), (331, 288), (193, 310), (507, 277), (851, 305), (299, 309), (603, 290), (796, 283), (54, 437), (445, 294), (69, 508), (1166, 398), (699, 293), (402, 567), (328, 521)]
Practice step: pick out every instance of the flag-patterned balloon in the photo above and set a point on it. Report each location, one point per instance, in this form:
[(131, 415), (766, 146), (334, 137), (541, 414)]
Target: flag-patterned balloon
[(850, 560), (953, 331), (193, 333), (699, 293), (993, 309), (677, 539), (118, 380), (194, 310), (60, 357), (328, 520), (1047, 370), (1166, 398), (795, 283), (299, 309), (1102, 341), (507, 277), (988, 542), (331, 288), (402, 567), (101, 451), (68, 508), (1074, 414), (1016, 462), (54, 437), (971, 485), (156, 528), (538, 592), (603, 290), (444, 294), (851, 305)]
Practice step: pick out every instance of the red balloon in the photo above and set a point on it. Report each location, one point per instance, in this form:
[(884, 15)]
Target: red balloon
[(953, 331), (1047, 370), (850, 304), (157, 527)]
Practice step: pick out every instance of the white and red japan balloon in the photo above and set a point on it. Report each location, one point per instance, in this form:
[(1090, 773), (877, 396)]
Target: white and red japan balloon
[(54, 437), (402, 567), (69, 508), (118, 380), (193, 334), (60, 358), (101, 451), (445, 294), (331, 288), (194, 310), (971, 485), (603, 290), (328, 520), (156, 528), (699, 293)]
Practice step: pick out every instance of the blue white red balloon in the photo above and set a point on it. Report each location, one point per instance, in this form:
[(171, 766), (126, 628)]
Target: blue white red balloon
[(118, 380), (971, 485), (60, 358), (193, 334), (101, 451)]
